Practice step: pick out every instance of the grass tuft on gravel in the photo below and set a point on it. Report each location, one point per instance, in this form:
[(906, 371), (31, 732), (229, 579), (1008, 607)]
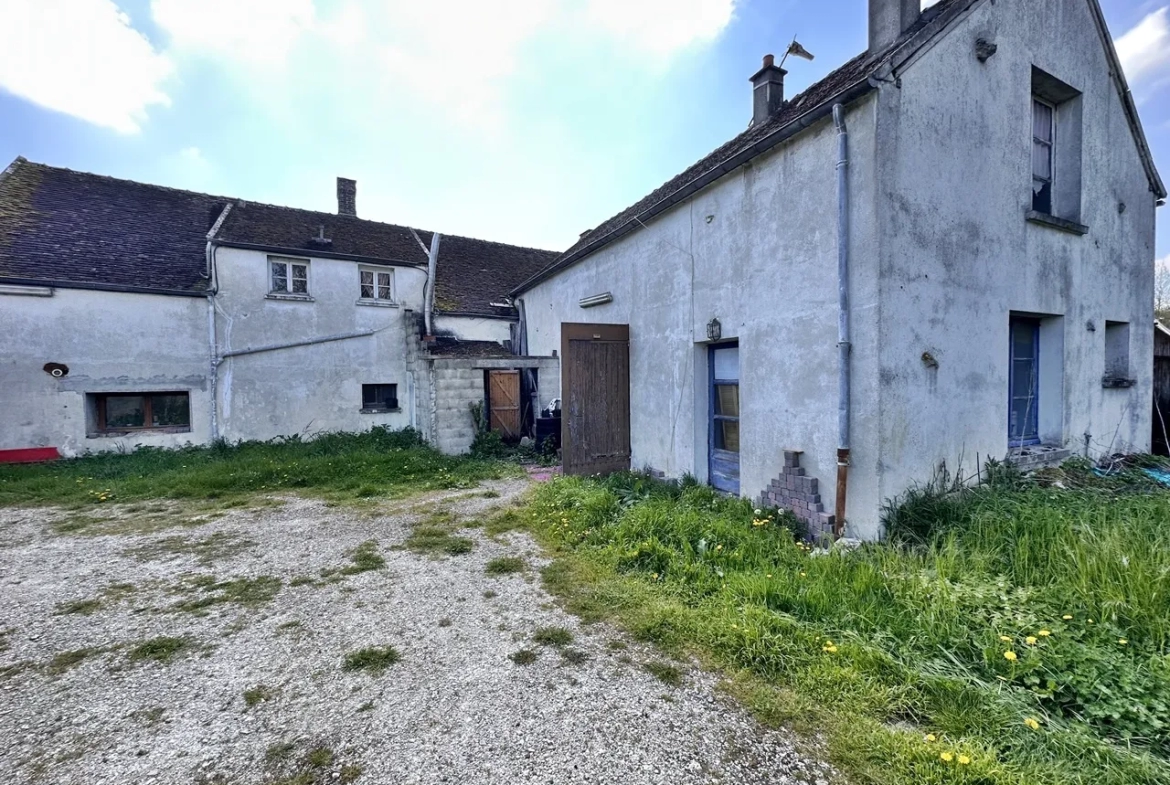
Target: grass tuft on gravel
[(160, 649), (69, 659), (248, 592), (374, 659), (505, 565), (365, 558), (434, 540), (254, 696), (81, 607), (552, 636), (524, 656), (665, 673), (1021, 626)]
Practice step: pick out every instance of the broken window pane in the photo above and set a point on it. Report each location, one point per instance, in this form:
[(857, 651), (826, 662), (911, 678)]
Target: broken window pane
[(1041, 161), (367, 284)]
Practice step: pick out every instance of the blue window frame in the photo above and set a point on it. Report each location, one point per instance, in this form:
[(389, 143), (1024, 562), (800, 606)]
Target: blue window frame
[(1024, 382), (723, 433)]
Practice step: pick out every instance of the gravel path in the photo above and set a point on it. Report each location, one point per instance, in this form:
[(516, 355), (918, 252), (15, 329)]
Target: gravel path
[(77, 706)]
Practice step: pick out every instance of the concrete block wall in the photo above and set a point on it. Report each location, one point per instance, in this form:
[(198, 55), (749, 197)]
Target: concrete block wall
[(457, 387), (795, 491)]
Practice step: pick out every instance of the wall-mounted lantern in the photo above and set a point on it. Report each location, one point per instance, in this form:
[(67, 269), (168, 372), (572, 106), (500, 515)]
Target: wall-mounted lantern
[(714, 330)]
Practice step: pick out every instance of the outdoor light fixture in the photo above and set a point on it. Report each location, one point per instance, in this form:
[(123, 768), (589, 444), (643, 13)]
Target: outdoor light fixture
[(714, 330)]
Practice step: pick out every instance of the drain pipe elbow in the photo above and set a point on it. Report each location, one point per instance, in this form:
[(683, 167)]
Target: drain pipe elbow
[(844, 347)]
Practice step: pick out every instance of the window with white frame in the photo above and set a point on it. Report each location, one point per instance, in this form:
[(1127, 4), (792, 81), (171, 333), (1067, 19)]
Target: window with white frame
[(288, 276), (376, 284)]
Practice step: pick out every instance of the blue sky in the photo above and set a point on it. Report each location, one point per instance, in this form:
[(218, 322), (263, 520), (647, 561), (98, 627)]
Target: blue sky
[(525, 121)]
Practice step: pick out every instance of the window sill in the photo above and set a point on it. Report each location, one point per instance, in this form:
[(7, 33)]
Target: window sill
[(376, 303), (298, 298), (380, 411), (114, 434), (1044, 219), (1117, 382)]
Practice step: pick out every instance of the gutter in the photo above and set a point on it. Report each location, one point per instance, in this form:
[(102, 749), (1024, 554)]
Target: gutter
[(782, 134), (101, 287), (844, 347), (292, 344), (429, 289), (212, 336)]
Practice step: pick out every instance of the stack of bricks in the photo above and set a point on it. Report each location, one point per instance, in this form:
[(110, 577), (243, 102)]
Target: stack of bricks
[(795, 491)]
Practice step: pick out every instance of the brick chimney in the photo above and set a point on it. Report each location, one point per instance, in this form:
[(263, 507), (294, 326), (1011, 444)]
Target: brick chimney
[(767, 90), (346, 196), (888, 19)]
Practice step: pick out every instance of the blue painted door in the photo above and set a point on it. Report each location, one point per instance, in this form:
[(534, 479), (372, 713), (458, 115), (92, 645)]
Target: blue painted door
[(1024, 383), (723, 438)]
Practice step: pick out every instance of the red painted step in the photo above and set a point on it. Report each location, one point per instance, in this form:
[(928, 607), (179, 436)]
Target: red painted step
[(29, 455)]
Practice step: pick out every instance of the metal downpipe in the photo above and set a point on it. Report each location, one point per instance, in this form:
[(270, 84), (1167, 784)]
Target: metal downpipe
[(843, 345)]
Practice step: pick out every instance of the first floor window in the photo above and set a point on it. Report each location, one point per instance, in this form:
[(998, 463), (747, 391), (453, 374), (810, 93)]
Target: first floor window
[(376, 284), (1043, 137), (289, 276), (379, 397), (141, 411)]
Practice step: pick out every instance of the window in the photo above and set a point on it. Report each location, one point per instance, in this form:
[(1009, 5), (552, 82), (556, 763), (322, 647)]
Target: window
[(1024, 382), (377, 285), (1117, 355), (289, 276), (723, 462), (1056, 153), (379, 397), (1043, 135), (120, 412)]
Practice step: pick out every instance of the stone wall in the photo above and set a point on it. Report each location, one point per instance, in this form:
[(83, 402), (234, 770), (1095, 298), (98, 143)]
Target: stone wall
[(795, 491)]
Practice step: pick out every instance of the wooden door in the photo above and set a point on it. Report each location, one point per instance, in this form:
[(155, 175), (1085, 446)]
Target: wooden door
[(723, 442), (595, 381), (504, 402)]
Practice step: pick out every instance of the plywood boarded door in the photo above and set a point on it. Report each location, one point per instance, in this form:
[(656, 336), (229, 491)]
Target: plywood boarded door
[(504, 402), (595, 430)]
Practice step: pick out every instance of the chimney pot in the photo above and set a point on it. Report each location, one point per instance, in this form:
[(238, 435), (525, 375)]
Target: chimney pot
[(888, 19), (767, 90), (346, 196)]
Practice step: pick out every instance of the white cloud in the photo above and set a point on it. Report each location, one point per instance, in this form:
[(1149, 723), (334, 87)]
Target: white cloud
[(661, 27), (1145, 50), (258, 32), (80, 57)]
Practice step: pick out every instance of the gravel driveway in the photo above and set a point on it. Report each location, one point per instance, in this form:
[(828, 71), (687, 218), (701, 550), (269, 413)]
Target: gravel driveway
[(167, 645)]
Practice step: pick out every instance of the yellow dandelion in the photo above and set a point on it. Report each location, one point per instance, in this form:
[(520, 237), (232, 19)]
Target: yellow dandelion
[(1044, 633), (802, 575), (947, 756), (718, 547), (1122, 641), (1030, 640), (830, 648), (964, 760), (1066, 617), (1032, 723), (1005, 639), (931, 737), (1090, 621), (1010, 656), (769, 575)]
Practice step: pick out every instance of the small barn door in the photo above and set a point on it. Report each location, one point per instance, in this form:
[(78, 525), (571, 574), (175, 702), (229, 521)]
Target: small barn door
[(595, 375), (504, 403)]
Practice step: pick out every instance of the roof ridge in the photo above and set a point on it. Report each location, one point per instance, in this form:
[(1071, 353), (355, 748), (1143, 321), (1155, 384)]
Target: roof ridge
[(187, 191)]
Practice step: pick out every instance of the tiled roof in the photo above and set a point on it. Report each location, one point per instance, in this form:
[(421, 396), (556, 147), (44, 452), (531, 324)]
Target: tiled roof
[(64, 227), (752, 142), (57, 226), (456, 349)]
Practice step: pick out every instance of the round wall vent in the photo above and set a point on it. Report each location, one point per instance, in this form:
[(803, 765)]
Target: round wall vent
[(56, 370)]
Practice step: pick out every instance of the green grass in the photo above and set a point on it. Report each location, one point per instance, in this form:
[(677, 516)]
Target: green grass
[(160, 649), (523, 657), (665, 673), (435, 539), (374, 659), (248, 592), (884, 647), (68, 659), (344, 467), (552, 636), (365, 558), (82, 607), (504, 565), (254, 696)]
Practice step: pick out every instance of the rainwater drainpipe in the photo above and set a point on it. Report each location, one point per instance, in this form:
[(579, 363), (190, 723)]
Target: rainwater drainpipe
[(843, 345), (429, 293), (212, 339)]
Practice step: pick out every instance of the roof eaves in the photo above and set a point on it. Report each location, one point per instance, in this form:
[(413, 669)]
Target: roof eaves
[(1131, 112), (20, 159), (320, 254), (102, 287), (762, 145)]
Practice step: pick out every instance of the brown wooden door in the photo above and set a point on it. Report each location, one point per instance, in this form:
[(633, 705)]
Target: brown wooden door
[(504, 402), (595, 376)]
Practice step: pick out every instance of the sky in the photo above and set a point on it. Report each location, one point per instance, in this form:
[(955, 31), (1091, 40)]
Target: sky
[(523, 121)]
